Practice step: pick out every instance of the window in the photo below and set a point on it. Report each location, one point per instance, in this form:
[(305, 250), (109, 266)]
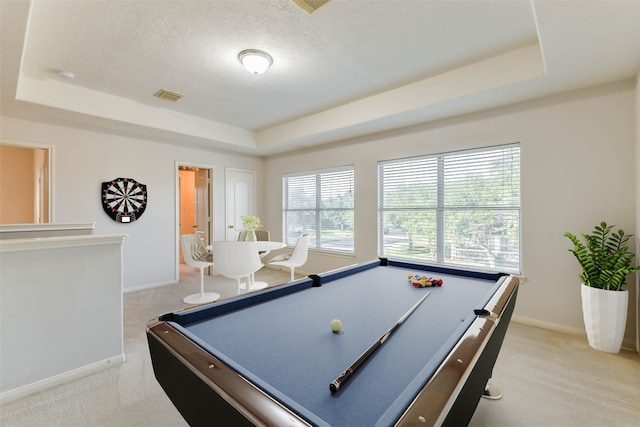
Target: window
[(320, 203), (460, 208)]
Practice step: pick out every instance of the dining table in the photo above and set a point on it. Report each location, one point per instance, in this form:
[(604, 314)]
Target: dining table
[(262, 245), (268, 245)]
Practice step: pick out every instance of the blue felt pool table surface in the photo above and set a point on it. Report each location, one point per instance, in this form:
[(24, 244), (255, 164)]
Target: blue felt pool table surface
[(286, 347)]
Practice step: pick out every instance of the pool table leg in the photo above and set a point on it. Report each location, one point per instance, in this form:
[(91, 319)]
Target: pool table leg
[(492, 392)]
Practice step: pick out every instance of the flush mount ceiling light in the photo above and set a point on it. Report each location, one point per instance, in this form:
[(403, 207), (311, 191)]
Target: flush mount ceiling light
[(255, 61)]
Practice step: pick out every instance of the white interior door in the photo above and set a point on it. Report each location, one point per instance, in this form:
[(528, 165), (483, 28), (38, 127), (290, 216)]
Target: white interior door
[(240, 199)]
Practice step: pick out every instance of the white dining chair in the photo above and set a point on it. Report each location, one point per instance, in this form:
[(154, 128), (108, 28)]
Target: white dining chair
[(296, 258), (238, 260), (196, 255)]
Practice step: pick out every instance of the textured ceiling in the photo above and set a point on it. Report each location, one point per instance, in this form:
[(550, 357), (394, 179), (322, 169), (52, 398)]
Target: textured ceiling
[(350, 68)]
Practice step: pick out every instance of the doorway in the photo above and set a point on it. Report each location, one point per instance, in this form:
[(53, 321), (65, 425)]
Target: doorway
[(195, 205), (25, 183)]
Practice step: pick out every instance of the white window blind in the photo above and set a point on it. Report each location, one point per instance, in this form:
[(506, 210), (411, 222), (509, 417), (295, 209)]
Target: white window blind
[(460, 208), (320, 203)]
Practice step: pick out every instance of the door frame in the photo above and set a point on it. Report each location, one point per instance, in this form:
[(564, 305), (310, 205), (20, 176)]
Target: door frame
[(177, 166)]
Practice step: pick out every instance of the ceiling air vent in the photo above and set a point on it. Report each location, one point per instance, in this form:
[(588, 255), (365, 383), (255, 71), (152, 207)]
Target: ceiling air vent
[(168, 95), (310, 5)]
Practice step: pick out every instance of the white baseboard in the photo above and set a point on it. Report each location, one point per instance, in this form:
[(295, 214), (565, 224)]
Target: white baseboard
[(626, 344), (65, 377), (548, 325)]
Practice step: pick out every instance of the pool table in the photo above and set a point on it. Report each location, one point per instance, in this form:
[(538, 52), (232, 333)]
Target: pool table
[(267, 358)]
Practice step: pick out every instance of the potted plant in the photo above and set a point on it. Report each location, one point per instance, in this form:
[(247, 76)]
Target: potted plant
[(606, 260), (251, 223)]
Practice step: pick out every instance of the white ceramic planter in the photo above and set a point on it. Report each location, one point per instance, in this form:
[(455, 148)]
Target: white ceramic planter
[(605, 317)]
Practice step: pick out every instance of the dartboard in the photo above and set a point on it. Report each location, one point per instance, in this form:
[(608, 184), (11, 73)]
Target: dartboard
[(124, 199)]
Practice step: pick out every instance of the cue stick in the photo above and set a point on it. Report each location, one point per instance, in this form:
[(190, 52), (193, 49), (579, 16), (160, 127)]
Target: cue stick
[(343, 377)]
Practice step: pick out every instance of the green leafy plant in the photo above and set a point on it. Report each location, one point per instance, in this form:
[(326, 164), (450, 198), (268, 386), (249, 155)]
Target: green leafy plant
[(604, 257), (251, 222)]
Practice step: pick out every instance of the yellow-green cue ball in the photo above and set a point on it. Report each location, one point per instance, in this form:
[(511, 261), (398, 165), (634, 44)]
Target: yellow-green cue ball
[(336, 325)]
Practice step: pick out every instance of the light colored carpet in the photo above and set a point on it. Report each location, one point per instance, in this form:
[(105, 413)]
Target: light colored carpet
[(552, 379), (547, 378)]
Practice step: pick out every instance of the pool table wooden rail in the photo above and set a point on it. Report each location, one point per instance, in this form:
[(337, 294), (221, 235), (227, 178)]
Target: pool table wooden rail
[(225, 387), (434, 403)]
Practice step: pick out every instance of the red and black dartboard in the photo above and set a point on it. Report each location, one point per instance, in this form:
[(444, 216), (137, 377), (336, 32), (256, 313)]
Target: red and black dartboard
[(124, 199)]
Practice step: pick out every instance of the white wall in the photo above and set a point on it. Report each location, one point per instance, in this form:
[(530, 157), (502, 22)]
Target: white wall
[(84, 159), (577, 170), (60, 311)]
